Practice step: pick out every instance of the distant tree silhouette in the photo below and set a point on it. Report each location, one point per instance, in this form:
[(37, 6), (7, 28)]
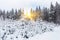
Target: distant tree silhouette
[(52, 13), (57, 10), (46, 14), (3, 14), (0, 13)]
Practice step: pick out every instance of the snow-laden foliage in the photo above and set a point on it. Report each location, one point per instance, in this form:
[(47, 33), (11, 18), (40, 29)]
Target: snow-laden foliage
[(23, 29)]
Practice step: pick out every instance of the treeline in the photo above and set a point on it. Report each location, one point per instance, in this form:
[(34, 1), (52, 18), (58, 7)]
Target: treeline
[(13, 14), (18, 14), (52, 14)]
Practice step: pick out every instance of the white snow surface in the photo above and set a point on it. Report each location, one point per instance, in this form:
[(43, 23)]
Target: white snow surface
[(28, 30), (48, 35)]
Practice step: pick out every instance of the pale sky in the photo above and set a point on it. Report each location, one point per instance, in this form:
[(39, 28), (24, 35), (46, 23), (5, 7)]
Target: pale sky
[(26, 4)]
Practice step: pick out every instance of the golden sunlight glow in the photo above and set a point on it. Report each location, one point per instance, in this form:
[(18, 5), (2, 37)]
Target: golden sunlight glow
[(27, 14), (30, 15)]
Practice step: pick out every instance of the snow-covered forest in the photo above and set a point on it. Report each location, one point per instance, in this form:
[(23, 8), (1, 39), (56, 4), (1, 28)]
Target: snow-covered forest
[(44, 26), (48, 14)]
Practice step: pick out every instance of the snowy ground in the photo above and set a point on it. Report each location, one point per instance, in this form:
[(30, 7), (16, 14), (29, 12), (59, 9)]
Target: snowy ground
[(28, 30), (48, 35)]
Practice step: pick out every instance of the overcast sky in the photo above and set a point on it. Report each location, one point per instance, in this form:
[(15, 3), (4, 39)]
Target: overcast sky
[(26, 4)]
